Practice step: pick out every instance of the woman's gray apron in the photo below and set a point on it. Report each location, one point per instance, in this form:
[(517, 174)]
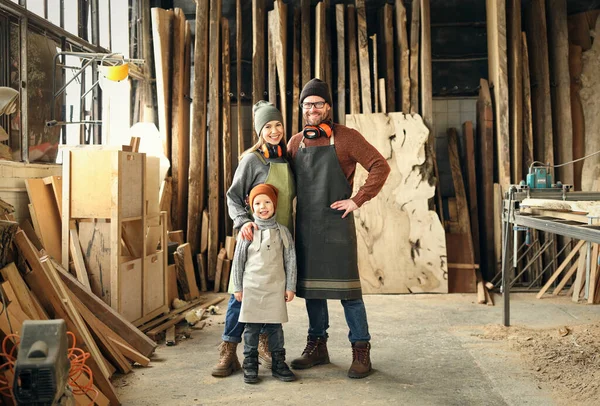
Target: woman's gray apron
[(325, 242)]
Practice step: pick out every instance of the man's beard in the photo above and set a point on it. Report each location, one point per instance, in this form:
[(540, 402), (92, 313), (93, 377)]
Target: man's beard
[(315, 120)]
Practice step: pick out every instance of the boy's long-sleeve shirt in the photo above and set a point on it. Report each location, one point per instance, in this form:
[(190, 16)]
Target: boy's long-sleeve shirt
[(241, 255)]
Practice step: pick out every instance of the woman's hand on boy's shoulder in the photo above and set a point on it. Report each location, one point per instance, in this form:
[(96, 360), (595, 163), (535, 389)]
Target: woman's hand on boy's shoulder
[(247, 230), (289, 295), (238, 296)]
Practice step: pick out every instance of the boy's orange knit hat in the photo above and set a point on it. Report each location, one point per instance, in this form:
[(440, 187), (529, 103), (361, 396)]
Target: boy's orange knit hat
[(264, 189)]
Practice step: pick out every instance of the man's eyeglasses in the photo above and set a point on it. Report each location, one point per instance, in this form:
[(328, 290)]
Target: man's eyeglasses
[(308, 106)]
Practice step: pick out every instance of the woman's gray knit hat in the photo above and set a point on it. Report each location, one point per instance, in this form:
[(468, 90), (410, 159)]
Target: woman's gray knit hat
[(264, 112), (316, 87)]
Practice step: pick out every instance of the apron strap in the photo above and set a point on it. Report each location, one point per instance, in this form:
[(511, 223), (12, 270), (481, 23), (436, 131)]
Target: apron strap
[(257, 240), (261, 157), (283, 234), (303, 145)]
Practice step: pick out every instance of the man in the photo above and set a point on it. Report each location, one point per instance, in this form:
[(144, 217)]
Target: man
[(324, 157)]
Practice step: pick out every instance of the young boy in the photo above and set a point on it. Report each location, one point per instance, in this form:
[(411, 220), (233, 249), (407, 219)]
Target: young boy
[(264, 277)]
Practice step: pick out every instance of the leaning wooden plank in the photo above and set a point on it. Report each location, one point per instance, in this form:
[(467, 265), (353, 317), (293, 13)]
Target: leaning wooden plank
[(176, 103), (27, 226), (535, 26), (352, 62), (42, 288), (179, 318), (214, 88), (56, 183), (230, 246), (386, 38), (130, 353), (320, 55), (113, 354), (197, 171), (415, 29), (471, 179), (22, 292), (577, 116), (162, 21), (226, 121), (593, 274), (382, 244), (580, 278), (258, 51), (305, 41), (565, 279), (220, 259), (238, 78), (77, 255), (341, 63), (559, 270), (36, 225), (201, 259), (108, 315), (426, 71), (363, 57), (515, 81), (376, 108), (44, 203), (485, 176), (402, 71), (7, 235), (558, 46), (185, 253), (225, 273), (498, 73), (296, 120), (527, 114), (271, 58)]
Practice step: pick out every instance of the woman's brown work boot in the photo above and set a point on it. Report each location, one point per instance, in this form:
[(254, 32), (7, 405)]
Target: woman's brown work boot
[(315, 353), (228, 360)]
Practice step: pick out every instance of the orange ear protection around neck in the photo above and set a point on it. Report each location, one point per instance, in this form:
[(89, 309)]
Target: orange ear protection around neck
[(275, 150), (324, 129)]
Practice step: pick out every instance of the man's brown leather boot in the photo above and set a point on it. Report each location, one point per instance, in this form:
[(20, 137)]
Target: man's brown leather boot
[(228, 360), (315, 353), (264, 355), (361, 360)]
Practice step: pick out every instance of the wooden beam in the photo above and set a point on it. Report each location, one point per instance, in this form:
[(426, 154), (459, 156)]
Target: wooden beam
[(320, 51), (471, 178), (527, 115), (415, 29), (296, 120), (77, 254), (180, 317), (515, 81), (197, 171), (305, 41), (176, 102), (386, 38), (352, 62), (341, 63), (271, 59), (402, 70), (43, 201), (22, 293), (238, 53), (280, 48), (498, 73), (130, 353), (535, 26), (162, 21), (558, 46), (485, 176), (374, 71), (185, 271), (214, 86), (363, 57), (558, 271), (258, 53), (227, 160), (577, 117), (426, 71)]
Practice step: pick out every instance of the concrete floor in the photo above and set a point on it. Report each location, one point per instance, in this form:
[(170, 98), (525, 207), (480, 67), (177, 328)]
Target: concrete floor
[(425, 351)]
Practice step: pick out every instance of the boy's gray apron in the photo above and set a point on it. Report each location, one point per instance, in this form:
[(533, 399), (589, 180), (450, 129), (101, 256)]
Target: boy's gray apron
[(263, 300), (325, 242)]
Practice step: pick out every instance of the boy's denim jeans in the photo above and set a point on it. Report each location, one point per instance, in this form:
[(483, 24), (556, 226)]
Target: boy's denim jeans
[(356, 318), (233, 328), (274, 333)]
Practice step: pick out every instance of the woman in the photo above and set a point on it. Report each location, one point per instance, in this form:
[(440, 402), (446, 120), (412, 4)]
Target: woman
[(265, 162)]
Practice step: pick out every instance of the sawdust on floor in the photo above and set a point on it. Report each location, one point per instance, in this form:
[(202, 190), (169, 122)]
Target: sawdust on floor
[(567, 359)]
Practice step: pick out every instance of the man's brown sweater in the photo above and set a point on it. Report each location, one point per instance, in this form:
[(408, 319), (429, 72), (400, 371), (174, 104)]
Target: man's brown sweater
[(351, 148)]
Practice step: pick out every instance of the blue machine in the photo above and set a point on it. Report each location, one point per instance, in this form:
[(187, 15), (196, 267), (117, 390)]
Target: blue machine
[(539, 177)]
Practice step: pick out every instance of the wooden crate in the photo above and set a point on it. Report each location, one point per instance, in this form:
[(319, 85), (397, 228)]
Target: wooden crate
[(113, 197)]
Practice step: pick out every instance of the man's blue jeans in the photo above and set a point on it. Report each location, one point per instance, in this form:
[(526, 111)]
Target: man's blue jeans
[(233, 328), (356, 318)]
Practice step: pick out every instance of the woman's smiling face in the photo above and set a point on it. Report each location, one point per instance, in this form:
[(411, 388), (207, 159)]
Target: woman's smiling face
[(272, 132)]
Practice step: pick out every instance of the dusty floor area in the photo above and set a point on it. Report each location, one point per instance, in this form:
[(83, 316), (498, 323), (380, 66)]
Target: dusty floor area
[(426, 350)]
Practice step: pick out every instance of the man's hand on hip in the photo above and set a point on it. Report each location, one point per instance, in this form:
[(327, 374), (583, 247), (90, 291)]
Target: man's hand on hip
[(347, 205)]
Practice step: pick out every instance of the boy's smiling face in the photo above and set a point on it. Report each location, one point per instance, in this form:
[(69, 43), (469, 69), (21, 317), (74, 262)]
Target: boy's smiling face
[(263, 207)]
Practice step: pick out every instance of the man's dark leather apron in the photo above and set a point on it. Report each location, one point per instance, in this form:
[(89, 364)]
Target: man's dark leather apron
[(325, 242)]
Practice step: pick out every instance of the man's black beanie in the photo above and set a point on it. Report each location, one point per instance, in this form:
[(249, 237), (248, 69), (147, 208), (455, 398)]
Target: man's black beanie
[(316, 87)]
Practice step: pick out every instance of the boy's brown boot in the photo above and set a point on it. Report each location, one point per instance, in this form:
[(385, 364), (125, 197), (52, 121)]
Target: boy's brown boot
[(264, 356), (361, 360), (228, 360), (315, 353)]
